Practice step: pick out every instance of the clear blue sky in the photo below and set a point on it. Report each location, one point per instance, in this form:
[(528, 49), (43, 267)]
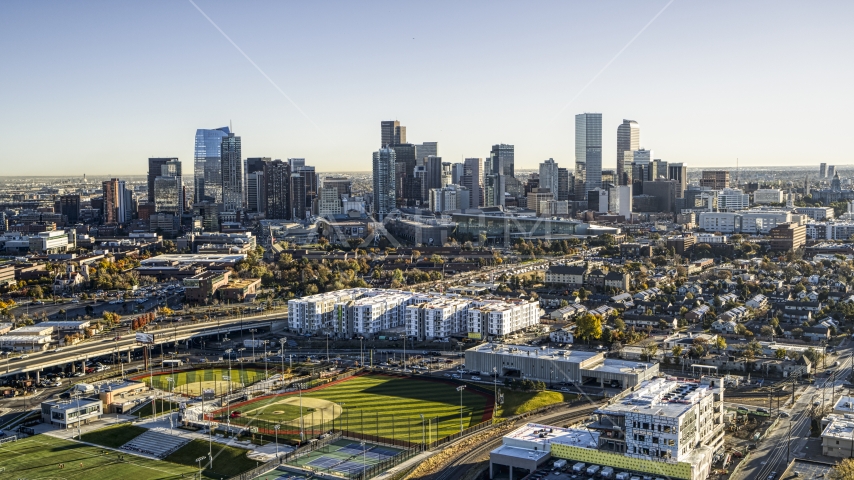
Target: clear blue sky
[(98, 87)]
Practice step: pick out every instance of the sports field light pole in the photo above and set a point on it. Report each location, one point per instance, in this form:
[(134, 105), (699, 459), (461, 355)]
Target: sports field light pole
[(364, 459), (423, 445), (276, 428), (301, 422), (252, 331), (460, 389), (266, 376), (199, 461), (210, 441), (494, 390), (282, 355)]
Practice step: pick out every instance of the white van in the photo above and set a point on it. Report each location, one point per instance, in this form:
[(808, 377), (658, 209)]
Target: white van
[(622, 476), (592, 469), (578, 467)]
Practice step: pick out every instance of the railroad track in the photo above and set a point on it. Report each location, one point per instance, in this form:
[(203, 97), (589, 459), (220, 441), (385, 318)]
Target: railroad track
[(458, 466)]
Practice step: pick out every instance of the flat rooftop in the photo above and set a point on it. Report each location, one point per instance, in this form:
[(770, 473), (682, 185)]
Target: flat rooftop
[(661, 396), (527, 351), (612, 365), (844, 405), (193, 258), (518, 452), (545, 435), (242, 282), (839, 427)]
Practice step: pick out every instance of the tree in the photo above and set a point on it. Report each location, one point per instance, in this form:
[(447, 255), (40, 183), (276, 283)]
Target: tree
[(843, 470), (650, 350), (588, 327), (720, 343), (677, 351), (766, 330), (36, 292), (781, 353), (620, 324)]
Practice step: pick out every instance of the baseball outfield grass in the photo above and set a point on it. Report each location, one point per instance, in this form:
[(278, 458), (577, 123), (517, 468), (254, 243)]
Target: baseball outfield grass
[(389, 407)]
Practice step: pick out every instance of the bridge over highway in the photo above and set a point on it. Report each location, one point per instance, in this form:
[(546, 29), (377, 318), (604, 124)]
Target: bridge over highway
[(164, 335)]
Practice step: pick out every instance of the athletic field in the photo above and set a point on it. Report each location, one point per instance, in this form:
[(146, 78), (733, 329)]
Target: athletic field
[(384, 406), (193, 382), (44, 457)]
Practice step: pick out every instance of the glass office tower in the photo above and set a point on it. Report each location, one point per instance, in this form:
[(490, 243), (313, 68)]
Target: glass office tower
[(207, 171)]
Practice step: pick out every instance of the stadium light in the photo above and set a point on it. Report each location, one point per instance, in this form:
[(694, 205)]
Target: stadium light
[(276, 428), (460, 389), (199, 461)]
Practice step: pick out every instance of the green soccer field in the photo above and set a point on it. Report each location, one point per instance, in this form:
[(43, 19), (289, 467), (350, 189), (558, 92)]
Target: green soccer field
[(41, 456), (385, 406), (192, 382)]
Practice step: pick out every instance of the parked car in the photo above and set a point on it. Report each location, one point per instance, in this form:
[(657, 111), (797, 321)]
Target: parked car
[(475, 378)]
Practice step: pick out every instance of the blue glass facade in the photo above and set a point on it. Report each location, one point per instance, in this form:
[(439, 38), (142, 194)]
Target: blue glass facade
[(207, 166)]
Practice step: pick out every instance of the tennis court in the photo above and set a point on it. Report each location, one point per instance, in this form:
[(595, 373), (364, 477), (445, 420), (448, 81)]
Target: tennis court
[(344, 457)]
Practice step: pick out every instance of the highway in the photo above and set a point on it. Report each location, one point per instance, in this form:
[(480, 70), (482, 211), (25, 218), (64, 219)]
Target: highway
[(163, 335)]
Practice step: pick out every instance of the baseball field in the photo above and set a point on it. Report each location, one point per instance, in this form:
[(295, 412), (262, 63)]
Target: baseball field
[(388, 407)]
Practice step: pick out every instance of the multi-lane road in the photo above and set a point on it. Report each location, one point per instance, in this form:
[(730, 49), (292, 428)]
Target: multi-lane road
[(166, 334), (790, 436)]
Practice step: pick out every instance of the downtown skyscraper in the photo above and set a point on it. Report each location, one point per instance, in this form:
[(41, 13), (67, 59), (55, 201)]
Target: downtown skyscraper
[(588, 148), (384, 182), (628, 140), (207, 165), (232, 173)]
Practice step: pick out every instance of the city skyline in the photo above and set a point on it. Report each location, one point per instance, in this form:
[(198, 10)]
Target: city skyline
[(731, 94)]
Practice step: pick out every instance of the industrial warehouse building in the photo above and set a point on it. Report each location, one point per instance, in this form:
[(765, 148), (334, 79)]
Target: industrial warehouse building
[(554, 365)]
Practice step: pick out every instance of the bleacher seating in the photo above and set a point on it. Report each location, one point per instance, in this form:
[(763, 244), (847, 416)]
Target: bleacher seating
[(155, 443)]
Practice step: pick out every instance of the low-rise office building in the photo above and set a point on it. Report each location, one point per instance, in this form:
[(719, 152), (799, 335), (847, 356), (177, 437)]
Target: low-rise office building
[(70, 413), (558, 365)]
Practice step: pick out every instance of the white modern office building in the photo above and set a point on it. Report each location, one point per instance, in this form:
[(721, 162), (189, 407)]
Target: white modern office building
[(767, 195), (731, 199)]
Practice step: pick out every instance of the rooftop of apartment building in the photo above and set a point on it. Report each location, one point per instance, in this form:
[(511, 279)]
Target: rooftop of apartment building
[(662, 396)]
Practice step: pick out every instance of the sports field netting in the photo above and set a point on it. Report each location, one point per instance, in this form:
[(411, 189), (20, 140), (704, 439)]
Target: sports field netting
[(344, 457)]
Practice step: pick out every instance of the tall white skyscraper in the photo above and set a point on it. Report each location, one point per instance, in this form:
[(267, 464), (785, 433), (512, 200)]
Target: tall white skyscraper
[(384, 182), (588, 147), (628, 139), (549, 176)]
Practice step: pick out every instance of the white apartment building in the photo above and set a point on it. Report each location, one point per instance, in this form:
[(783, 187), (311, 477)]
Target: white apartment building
[(817, 213), (315, 313), (498, 318), (745, 221), (730, 199), (767, 195), (373, 314), (667, 420), (437, 318)]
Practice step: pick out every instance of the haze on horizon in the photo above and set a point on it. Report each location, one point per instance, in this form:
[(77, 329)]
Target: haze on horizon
[(98, 87)]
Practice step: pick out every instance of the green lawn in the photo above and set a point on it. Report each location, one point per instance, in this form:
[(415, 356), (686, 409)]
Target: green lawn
[(387, 406), (197, 379), (521, 402), (40, 456), (228, 461), (114, 436)]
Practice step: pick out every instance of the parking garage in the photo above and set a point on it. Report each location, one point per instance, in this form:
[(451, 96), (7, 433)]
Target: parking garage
[(558, 365)]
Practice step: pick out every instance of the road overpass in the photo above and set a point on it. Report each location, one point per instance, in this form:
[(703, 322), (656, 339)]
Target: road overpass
[(163, 335)]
